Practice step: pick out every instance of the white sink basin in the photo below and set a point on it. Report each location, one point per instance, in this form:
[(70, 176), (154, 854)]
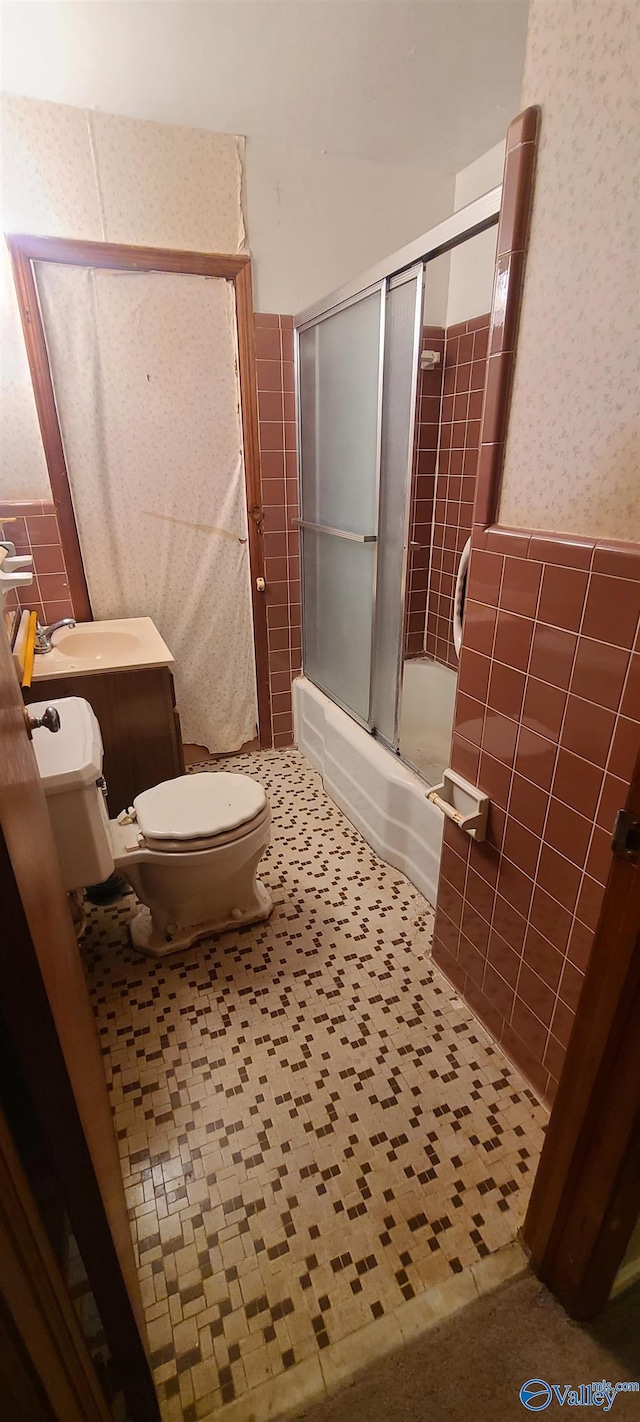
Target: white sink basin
[(126, 643), (85, 645)]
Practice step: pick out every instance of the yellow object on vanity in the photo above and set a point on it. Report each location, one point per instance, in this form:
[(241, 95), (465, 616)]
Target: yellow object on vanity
[(29, 650)]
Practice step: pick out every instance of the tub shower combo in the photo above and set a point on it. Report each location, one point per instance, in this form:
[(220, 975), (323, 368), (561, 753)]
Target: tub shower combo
[(390, 375)]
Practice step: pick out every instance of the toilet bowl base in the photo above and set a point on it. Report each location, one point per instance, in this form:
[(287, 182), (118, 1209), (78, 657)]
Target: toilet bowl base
[(146, 938)]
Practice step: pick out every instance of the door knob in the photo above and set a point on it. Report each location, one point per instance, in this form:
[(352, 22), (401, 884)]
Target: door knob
[(50, 719), (260, 584)]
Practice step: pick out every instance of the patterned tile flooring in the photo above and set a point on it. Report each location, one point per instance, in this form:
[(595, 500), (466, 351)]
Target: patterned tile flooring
[(313, 1128)]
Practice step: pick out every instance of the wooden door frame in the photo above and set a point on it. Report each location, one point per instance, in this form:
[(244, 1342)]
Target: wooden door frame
[(25, 250), (31, 1028), (34, 1293), (586, 1195), (46, 1014)]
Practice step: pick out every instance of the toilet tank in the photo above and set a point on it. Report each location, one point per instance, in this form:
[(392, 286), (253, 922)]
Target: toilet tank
[(70, 765)]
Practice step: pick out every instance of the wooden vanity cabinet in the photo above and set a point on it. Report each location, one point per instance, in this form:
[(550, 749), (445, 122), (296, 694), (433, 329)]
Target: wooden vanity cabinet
[(139, 724)]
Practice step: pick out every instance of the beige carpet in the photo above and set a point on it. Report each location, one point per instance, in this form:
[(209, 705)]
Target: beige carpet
[(471, 1368)]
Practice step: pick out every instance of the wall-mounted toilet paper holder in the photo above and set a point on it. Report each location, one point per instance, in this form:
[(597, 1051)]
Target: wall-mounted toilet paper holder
[(461, 802)]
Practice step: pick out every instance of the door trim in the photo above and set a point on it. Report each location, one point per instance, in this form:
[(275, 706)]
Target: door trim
[(25, 250), (46, 1014), (34, 1293)]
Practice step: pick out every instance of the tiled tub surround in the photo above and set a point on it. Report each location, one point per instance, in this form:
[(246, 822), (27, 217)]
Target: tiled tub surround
[(315, 1133), (279, 481), (548, 724), (35, 532), (447, 439), (465, 364)]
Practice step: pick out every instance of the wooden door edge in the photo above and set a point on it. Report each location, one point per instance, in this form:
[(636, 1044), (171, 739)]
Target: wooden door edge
[(586, 1194), (36, 1297), (249, 402), (46, 410)]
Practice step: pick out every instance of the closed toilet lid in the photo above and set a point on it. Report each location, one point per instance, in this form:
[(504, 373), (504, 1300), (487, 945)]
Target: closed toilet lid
[(198, 806)]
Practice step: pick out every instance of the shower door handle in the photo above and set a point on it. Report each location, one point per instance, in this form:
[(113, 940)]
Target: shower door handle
[(457, 609), (336, 532)]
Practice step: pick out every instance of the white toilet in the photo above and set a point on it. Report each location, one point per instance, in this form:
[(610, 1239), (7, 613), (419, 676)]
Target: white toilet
[(189, 847)]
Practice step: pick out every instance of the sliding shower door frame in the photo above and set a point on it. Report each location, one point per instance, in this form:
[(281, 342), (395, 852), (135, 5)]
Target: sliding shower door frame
[(381, 288), (467, 222), (399, 279)]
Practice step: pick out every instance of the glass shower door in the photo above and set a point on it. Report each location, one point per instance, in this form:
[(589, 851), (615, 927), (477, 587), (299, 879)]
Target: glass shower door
[(403, 329), (340, 384)]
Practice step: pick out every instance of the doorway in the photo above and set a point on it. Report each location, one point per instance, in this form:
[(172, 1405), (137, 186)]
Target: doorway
[(144, 379)]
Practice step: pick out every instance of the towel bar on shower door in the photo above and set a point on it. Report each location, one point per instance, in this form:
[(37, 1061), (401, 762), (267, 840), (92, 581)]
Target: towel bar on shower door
[(337, 532)]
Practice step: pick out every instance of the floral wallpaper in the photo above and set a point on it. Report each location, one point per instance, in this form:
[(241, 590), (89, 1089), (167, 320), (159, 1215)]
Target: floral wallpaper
[(181, 184), (69, 172), (572, 453)]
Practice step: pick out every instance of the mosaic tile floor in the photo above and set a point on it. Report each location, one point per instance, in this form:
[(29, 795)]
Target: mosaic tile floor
[(314, 1129)]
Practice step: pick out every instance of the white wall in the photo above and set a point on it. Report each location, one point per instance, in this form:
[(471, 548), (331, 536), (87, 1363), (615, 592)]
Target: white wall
[(480, 176), (357, 113), (472, 264), (459, 284), (571, 460), (317, 220)]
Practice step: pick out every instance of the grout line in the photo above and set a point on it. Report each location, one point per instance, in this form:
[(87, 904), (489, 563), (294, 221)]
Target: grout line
[(484, 717), (546, 817), (509, 793)]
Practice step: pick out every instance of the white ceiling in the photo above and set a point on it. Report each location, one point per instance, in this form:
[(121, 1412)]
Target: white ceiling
[(429, 83)]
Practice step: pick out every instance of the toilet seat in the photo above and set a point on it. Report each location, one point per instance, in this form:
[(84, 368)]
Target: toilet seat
[(198, 846), (200, 811), (189, 847)]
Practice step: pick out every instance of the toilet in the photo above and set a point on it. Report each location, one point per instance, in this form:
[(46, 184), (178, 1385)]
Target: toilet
[(189, 847)]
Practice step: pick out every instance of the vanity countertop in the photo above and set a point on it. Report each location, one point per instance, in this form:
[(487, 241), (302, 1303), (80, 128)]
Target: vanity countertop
[(125, 644)]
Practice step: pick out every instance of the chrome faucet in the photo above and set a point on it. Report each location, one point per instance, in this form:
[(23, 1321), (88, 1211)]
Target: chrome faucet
[(44, 634)]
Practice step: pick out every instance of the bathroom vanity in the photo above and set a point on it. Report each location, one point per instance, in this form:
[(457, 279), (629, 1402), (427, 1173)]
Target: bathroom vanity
[(123, 669)]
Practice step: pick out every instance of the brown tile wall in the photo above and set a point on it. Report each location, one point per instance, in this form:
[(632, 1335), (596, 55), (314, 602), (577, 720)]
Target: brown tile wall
[(422, 492), (35, 531), (465, 364), (279, 478), (547, 723), (447, 439)]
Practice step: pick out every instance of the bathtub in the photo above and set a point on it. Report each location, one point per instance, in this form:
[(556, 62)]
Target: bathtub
[(426, 716), (384, 800)]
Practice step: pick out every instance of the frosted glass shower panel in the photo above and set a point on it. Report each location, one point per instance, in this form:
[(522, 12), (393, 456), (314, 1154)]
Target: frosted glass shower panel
[(401, 353), (339, 415), (338, 611)]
